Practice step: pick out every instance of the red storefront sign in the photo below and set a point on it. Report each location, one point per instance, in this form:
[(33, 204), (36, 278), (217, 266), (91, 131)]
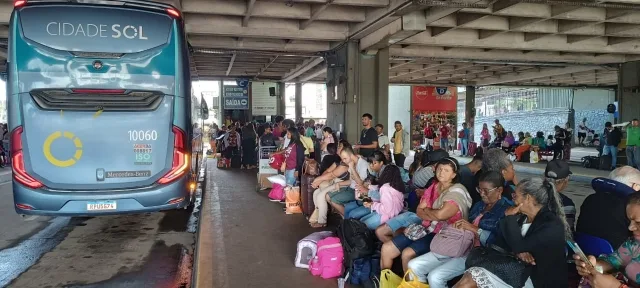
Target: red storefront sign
[(430, 98)]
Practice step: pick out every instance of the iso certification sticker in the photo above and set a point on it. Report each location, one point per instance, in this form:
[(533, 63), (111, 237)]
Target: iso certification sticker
[(143, 154)]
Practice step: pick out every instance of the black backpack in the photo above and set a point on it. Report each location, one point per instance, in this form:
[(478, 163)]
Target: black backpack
[(357, 240)]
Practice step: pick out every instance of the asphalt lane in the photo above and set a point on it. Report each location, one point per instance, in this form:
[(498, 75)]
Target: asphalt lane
[(143, 250)]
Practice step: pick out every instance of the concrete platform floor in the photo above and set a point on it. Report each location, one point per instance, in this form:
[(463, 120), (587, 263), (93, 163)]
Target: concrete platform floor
[(247, 241)]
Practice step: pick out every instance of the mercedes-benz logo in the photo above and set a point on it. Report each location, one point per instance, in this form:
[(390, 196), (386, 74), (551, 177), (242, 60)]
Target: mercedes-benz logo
[(97, 65)]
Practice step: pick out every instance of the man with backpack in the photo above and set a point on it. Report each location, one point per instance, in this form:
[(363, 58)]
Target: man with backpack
[(612, 137)]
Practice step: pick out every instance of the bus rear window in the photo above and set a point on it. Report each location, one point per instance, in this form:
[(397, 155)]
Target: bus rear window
[(95, 29)]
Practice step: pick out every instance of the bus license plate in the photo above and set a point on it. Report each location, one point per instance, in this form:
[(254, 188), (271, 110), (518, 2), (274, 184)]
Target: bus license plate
[(101, 205)]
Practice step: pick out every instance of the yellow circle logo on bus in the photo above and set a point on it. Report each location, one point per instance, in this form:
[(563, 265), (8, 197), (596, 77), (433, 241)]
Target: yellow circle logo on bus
[(46, 149)]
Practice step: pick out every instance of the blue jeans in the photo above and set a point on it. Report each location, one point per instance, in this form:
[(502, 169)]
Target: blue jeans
[(290, 177), (372, 220), (613, 151), (355, 210), (444, 143), (633, 156), (465, 146)]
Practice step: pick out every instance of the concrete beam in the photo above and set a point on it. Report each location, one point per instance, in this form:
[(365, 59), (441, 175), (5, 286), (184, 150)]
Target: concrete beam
[(257, 44), (315, 12), (518, 41), (265, 28), (396, 31), (6, 7), (266, 66), (314, 74), (378, 18), (248, 12), (304, 67), (272, 9), (508, 78), (233, 58), (506, 55)]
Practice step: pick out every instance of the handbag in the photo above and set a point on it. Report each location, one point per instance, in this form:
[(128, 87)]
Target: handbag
[(452, 242), (508, 267), (415, 231), (412, 283), (310, 167)]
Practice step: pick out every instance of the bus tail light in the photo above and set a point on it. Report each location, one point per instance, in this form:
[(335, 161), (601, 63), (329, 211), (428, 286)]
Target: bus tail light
[(17, 156), (173, 13), (180, 157), (19, 3)]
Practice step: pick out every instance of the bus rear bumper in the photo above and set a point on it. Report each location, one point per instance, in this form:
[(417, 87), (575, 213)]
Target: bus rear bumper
[(75, 203)]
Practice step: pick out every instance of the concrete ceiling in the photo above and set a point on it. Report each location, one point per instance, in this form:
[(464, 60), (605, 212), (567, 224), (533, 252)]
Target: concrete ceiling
[(461, 42)]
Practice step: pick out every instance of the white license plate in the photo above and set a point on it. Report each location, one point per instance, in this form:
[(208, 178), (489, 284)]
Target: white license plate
[(101, 205)]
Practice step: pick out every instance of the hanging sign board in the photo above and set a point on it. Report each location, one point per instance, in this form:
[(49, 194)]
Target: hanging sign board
[(235, 98)]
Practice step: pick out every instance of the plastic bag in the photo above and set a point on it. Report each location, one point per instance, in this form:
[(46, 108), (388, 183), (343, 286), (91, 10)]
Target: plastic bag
[(388, 279), (533, 157), (277, 192), (292, 199), (278, 179)]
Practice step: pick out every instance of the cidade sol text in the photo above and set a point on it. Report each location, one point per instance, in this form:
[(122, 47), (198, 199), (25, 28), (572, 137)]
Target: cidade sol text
[(96, 30)]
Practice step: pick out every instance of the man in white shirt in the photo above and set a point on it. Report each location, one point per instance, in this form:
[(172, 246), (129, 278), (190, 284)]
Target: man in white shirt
[(582, 132), (383, 141), (358, 171)]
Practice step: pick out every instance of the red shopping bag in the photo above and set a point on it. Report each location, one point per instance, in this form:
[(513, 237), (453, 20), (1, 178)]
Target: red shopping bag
[(276, 161)]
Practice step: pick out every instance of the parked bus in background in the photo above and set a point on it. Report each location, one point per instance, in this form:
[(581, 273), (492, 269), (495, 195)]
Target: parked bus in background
[(99, 104)]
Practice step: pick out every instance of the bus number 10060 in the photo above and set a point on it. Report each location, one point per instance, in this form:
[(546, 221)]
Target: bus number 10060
[(140, 135)]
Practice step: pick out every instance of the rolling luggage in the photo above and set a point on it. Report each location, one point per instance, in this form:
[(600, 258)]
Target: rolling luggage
[(236, 159), (306, 195)]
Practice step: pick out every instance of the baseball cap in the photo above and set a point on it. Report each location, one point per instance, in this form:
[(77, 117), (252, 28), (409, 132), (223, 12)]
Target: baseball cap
[(557, 169)]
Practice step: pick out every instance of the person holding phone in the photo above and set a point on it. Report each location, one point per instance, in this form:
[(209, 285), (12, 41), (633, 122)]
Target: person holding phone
[(604, 271)]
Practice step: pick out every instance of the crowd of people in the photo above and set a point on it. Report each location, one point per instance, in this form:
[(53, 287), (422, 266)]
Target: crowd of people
[(519, 227)]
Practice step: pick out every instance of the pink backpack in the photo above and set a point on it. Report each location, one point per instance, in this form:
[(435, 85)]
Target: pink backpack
[(277, 192), (328, 260)]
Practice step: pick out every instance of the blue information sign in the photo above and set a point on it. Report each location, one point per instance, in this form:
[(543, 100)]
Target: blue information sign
[(235, 98), (236, 103)]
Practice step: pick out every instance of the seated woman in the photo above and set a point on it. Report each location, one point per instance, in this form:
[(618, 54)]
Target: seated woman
[(355, 209), (439, 269), (539, 142), (391, 199), (444, 202), (625, 260), (535, 230)]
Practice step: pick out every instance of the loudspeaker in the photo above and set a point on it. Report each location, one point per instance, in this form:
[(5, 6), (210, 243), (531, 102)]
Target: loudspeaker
[(272, 91), (611, 108), (332, 60)]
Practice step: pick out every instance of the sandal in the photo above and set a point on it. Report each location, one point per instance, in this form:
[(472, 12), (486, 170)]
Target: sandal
[(317, 225)]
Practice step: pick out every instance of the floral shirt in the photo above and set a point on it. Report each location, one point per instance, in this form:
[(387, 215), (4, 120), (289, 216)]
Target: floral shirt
[(626, 259)]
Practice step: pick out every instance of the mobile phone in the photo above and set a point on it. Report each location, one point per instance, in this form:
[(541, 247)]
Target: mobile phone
[(576, 249), (367, 199)]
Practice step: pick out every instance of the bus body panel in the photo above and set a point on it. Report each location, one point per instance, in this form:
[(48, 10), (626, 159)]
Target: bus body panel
[(83, 153), (62, 203)]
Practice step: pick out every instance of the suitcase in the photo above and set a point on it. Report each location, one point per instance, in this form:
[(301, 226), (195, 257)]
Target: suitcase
[(236, 160), (473, 147), (605, 162), (306, 195)]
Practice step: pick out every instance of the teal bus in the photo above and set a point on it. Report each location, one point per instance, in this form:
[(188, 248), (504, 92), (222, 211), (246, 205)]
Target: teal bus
[(99, 107)]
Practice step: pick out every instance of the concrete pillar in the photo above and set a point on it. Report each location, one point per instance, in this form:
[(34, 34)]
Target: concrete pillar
[(382, 90), (280, 94), (298, 102), (628, 92), (357, 84), (470, 110)]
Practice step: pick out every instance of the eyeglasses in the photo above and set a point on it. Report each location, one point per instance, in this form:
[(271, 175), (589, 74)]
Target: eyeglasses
[(486, 191)]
